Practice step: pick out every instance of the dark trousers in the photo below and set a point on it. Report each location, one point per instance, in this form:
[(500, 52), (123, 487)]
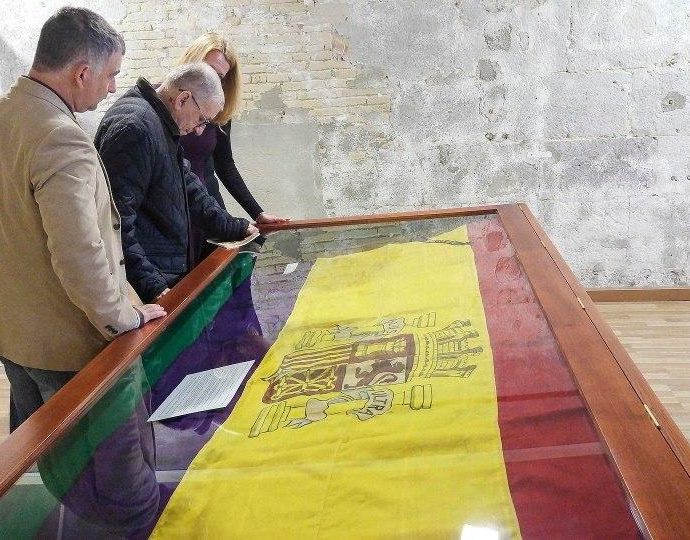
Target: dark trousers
[(103, 470), (30, 388)]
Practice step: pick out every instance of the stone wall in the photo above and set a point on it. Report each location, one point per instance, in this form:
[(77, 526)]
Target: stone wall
[(576, 107)]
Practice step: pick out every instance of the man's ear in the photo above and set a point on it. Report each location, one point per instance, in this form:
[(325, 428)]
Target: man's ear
[(181, 99), (81, 74)]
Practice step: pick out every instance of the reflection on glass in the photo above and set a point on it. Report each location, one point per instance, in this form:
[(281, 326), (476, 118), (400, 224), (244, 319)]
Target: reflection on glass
[(98, 479), (472, 532)]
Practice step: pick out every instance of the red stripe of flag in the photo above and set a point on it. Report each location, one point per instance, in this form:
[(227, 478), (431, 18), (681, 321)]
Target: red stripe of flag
[(560, 479)]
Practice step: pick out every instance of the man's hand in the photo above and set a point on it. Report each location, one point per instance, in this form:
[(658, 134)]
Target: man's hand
[(251, 230), (263, 218), (165, 291), (151, 311)]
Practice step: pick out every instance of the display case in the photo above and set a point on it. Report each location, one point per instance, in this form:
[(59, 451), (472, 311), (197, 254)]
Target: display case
[(436, 374)]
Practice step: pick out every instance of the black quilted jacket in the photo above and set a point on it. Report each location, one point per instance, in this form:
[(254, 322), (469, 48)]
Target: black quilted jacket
[(155, 191)]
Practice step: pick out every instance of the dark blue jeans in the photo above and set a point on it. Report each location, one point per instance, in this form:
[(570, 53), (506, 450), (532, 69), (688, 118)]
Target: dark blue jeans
[(30, 388), (103, 470)]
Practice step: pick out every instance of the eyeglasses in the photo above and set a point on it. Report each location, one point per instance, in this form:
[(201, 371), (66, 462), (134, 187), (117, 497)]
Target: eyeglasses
[(205, 122)]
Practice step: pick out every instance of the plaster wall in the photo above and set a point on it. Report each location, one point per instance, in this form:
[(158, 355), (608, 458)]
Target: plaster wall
[(576, 107)]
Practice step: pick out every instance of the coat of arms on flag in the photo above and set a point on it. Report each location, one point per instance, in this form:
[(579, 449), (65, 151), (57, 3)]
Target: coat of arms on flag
[(364, 371)]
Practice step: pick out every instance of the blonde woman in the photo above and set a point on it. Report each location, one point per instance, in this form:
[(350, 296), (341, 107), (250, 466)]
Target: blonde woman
[(210, 152)]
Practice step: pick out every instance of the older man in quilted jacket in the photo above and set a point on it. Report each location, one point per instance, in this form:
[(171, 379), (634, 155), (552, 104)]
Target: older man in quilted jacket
[(155, 191)]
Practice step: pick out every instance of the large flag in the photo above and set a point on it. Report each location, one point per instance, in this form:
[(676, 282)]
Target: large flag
[(360, 419), (373, 414)]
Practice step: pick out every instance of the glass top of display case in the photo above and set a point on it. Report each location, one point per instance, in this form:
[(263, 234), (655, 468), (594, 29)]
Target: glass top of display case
[(425, 374)]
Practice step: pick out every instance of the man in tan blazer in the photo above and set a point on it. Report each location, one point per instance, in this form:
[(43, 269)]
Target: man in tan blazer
[(63, 292)]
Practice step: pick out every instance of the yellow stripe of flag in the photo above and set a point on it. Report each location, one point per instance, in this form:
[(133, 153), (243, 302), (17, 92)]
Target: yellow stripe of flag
[(382, 423)]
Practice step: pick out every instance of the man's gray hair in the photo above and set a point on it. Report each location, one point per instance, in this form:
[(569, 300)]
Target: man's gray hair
[(200, 79), (76, 35)]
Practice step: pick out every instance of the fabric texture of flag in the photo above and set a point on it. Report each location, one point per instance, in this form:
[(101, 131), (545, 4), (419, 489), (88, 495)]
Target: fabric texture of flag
[(373, 413)]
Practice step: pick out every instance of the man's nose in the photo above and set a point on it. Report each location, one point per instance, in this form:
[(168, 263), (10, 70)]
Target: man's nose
[(112, 87)]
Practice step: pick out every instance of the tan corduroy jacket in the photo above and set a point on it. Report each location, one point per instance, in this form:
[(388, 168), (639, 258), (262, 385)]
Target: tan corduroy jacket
[(63, 290)]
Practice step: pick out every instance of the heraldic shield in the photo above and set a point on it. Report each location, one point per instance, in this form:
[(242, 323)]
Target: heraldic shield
[(364, 371)]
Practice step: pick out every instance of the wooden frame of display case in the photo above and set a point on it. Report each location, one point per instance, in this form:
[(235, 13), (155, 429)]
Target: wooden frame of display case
[(650, 453)]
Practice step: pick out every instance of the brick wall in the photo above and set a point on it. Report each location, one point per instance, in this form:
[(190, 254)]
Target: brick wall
[(282, 48)]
